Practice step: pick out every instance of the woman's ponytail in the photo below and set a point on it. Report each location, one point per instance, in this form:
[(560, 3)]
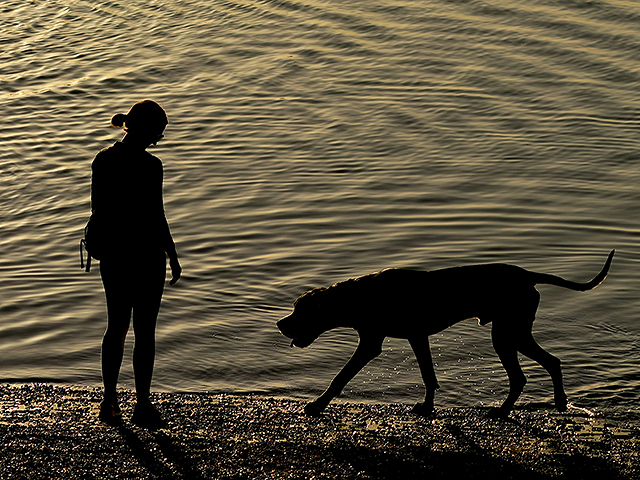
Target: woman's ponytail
[(118, 120)]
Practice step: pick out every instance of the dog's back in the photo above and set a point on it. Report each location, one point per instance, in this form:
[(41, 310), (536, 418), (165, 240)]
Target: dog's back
[(398, 301)]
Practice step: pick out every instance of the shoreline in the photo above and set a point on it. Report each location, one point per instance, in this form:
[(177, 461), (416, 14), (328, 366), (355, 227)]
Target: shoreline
[(52, 431)]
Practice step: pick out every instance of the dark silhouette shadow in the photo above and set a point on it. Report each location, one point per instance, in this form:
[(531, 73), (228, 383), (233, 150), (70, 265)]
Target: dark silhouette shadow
[(129, 233), (172, 453), (394, 458), (354, 461), (415, 304)]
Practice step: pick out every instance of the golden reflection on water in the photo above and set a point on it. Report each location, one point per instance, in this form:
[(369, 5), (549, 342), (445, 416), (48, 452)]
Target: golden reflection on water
[(311, 142)]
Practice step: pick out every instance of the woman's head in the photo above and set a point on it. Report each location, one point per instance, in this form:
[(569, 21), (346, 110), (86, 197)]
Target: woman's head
[(145, 118)]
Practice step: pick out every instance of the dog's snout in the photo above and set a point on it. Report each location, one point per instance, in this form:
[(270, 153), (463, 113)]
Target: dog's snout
[(289, 328), (284, 325)]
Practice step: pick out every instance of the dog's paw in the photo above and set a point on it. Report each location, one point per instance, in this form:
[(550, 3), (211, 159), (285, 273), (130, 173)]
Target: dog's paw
[(314, 408), (561, 400), (498, 413), (423, 410), (562, 403)]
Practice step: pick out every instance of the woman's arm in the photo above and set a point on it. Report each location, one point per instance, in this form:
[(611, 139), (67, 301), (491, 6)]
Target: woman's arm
[(169, 244), (97, 184)]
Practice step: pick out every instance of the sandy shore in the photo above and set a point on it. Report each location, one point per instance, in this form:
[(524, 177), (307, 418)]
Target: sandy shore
[(53, 432)]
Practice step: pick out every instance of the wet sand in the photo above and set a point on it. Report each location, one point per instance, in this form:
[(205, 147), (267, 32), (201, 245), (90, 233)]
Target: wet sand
[(53, 432)]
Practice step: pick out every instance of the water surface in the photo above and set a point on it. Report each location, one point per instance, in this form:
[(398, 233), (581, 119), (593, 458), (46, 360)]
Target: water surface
[(313, 141)]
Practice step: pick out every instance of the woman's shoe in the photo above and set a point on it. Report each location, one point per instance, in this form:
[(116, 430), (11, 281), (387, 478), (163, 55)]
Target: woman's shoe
[(145, 415), (110, 412)]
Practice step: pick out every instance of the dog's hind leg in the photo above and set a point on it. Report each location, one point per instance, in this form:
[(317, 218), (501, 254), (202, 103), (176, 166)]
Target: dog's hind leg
[(369, 347), (422, 351), (504, 346), (529, 347)]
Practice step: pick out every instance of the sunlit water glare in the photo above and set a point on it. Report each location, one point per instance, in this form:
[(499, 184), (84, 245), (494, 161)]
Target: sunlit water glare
[(315, 140)]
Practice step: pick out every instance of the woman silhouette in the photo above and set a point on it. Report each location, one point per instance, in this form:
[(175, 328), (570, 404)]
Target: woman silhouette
[(126, 199)]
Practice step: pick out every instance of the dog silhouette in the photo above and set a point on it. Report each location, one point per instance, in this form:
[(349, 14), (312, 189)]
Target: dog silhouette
[(414, 304)]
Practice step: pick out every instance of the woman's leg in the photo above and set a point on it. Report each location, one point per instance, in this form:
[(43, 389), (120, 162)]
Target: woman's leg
[(119, 309), (144, 352), (145, 315)]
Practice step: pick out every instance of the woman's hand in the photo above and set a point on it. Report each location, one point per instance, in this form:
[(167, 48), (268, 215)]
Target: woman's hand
[(176, 270)]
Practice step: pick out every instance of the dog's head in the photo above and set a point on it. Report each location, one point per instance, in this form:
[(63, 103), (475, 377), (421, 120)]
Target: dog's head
[(307, 321)]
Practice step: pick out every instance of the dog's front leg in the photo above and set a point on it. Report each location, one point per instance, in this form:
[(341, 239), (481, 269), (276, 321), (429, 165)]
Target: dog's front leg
[(422, 350), (368, 348), (503, 344)]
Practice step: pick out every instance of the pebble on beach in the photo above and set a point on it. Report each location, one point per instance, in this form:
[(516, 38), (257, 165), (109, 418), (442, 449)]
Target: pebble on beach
[(53, 432)]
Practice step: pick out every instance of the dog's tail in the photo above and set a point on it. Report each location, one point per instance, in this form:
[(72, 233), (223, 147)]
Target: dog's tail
[(544, 278)]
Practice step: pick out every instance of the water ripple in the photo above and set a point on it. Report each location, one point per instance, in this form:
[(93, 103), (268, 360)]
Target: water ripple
[(310, 141)]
